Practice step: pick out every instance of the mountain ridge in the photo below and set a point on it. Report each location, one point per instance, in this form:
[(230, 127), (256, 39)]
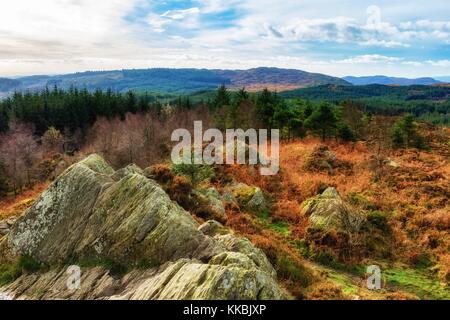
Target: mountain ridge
[(386, 80), (181, 80)]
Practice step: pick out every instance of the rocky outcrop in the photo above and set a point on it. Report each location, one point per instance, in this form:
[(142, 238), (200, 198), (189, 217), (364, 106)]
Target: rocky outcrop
[(6, 225), (209, 203), (323, 159), (247, 197), (92, 213), (329, 211)]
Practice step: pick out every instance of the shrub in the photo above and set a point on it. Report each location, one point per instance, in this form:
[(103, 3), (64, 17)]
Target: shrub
[(197, 173), (345, 133), (379, 220), (179, 190), (162, 173), (326, 291), (292, 269), (11, 271), (405, 134)]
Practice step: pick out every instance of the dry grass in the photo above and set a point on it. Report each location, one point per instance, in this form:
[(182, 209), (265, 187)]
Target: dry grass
[(13, 206), (414, 197)]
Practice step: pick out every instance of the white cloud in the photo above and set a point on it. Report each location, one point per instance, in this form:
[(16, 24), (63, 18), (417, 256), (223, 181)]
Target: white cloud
[(180, 14), (370, 58), (440, 63), (56, 36), (385, 44)]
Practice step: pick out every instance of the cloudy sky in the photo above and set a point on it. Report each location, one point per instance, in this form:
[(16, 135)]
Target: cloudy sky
[(346, 37)]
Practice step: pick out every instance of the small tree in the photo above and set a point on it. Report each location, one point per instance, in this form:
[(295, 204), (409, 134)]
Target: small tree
[(405, 134), (222, 98), (53, 140), (323, 120), (345, 133), (197, 173)]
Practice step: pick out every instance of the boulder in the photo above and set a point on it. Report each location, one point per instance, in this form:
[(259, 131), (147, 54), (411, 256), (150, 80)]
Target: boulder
[(258, 202), (92, 213), (329, 211), (209, 204), (248, 197), (323, 159)]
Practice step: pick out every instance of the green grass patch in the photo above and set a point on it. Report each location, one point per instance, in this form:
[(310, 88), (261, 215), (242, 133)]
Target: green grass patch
[(344, 282), (23, 265), (281, 227), (418, 283)]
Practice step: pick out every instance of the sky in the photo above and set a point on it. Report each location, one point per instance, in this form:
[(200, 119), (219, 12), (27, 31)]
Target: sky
[(340, 38)]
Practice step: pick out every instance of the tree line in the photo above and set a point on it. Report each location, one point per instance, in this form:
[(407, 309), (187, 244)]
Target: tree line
[(70, 110), (37, 130)]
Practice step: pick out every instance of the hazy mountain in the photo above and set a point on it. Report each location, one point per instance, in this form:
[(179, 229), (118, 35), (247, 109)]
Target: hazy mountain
[(390, 81), (8, 84), (175, 80)]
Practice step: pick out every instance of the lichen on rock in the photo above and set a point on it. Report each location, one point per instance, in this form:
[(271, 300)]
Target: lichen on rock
[(329, 211), (92, 212)]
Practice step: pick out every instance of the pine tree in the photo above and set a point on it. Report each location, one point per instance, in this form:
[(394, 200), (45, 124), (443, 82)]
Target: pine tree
[(222, 98), (4, 121), (323, 120), (345, 133)]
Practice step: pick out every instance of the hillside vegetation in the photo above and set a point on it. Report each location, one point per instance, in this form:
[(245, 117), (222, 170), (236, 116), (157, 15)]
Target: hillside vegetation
[(172, 80), (355, 189)]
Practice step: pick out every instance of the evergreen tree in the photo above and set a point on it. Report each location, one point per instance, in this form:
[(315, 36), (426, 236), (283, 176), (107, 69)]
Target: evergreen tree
[(405, 134), (323, 120), (345, 133), (4, 120), (266, 107), (222, 98), (131, 102)]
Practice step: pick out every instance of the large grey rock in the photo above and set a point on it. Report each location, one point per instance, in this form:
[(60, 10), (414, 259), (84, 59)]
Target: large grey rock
[(181, 280), (92, 213), (329, 211)]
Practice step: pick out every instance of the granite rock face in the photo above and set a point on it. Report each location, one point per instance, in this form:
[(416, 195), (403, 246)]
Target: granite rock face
[(93, 213)]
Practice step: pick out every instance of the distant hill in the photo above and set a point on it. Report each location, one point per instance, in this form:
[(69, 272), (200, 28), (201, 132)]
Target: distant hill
[(176, 80), (8, 84), (339, 93), (277, 79), (360, 81)]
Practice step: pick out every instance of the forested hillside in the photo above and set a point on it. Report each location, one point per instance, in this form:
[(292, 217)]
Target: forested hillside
[(171, 80), (431, 103)]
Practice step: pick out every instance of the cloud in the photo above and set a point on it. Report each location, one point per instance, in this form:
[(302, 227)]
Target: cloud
[(439, 63), (180, 14), (330, 36), (385, 44), (370, 58)]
